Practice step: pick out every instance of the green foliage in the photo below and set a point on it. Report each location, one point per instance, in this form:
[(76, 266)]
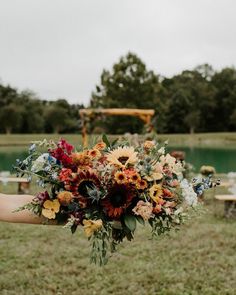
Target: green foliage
[(10, 118), (198, 100), (128, 85), (24, 112), (130, 222)]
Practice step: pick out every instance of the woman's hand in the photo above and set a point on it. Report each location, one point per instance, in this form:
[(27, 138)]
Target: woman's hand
[(10, 203)]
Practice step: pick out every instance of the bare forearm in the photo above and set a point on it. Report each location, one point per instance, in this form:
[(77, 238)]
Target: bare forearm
[(9, 203)]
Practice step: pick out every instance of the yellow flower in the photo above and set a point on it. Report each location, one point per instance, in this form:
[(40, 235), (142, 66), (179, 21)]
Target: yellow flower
[(65, 197), (122, 157), (155, 176), (91, 226), (155, 192), (135, 178), (141, 184), (120, 177), (51, 208)]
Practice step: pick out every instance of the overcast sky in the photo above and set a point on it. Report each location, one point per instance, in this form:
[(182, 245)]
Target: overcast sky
[(58, 48)]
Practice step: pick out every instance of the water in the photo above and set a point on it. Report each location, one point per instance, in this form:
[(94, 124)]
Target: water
[(223, 159), (8, 156)]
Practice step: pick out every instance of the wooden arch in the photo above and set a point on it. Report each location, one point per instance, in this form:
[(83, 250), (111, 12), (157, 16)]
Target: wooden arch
[(86, 114)]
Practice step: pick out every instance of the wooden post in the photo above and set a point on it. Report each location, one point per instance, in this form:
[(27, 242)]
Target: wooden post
[(84, 131), (144, 115)]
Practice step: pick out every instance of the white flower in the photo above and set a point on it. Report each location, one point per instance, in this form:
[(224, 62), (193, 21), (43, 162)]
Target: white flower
[(188, 193), (167, 159), (173, 165), (161, 151), (40, 162)]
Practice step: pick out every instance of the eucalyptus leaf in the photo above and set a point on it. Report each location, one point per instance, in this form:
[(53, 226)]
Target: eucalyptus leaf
[(140, 220), (130, 222)]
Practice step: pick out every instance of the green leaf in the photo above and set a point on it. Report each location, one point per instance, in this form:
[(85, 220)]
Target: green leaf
[(73, 228), (130, 222), (140, 220), (114, 142), (105, 139)]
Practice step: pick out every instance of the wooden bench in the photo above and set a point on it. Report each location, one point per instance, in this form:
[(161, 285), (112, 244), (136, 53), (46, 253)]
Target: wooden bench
[(23, 183), (225, 184), (230, 204)]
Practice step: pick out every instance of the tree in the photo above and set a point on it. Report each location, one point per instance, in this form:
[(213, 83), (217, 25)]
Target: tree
[(233, 119), (10, 118), (32, 112), (128, 85), (56, 118), (224, 83), (189, 98), (7, 95)]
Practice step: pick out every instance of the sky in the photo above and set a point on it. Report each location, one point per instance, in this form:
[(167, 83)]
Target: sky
[(58, 48)]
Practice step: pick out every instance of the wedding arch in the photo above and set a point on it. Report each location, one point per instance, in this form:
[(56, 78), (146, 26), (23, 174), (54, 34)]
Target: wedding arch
[(87, 114)]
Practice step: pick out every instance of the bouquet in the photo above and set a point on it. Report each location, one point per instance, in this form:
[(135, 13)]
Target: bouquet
[(109, 188)]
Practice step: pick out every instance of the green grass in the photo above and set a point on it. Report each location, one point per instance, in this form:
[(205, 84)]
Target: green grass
[(202, 139), (48, 260)]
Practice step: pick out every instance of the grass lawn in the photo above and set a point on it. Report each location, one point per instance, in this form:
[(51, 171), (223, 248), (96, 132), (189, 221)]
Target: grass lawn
[(201, 139), (48, 260)]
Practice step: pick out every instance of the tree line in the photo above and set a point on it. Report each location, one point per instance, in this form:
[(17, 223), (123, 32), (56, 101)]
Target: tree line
[(198, 100), (24, 112)]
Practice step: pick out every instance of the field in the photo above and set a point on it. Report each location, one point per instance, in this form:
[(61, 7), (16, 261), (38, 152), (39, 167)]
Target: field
[(203, 139), (48, 260)]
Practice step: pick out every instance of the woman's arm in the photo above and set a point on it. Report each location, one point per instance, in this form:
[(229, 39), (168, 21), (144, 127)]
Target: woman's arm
[(9, 203)]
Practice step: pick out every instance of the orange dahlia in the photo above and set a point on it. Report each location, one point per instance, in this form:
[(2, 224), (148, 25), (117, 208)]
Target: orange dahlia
[(81, 159), (94, 153), (100, 146), (65, 197)]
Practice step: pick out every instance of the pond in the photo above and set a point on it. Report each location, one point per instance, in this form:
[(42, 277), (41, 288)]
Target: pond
[(222, 158)]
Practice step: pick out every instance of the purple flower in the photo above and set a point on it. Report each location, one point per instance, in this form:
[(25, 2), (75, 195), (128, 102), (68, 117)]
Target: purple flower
[(41, 197)]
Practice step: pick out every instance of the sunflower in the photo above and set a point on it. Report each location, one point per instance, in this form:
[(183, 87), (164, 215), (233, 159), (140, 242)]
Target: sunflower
[(122, 157), (156, 192), (85, 179), (119, 197), (141, 184), (120, 177), (135, 178)]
